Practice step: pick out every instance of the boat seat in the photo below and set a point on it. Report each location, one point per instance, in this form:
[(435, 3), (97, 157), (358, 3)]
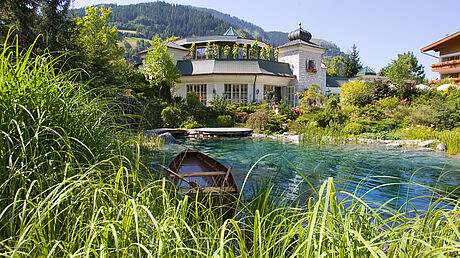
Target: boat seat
[(205, 173)]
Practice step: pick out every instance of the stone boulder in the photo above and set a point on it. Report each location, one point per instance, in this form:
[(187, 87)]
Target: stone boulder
[(167, 137), (394, 145), (426, 143), (151, 133), (424, 149), (441, 147)]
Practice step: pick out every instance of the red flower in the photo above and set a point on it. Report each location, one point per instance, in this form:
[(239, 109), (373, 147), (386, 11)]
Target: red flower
[(201, 97)]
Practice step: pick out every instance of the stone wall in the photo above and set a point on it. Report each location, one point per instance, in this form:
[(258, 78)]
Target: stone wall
[(297, 57)]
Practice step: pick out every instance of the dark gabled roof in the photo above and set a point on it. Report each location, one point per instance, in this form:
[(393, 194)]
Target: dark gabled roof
[(233, 67), (211, 39), (231, 32), (170, 44), (299, 41), (335, 81)]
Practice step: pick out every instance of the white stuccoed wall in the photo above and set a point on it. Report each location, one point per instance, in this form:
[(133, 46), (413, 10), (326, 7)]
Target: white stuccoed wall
[(297, 57)]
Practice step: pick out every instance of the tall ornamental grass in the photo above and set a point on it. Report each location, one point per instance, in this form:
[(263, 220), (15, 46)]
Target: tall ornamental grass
[(69, 188), (451, 138)]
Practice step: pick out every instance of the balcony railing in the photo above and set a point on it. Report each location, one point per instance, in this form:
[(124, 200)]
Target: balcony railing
[(445, 65)]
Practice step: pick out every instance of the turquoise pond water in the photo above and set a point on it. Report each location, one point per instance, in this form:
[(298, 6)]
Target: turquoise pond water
[(368, 166)]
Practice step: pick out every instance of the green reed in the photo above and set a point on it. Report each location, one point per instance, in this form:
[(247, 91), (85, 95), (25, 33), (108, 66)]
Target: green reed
[(70, 187), (318, 135)]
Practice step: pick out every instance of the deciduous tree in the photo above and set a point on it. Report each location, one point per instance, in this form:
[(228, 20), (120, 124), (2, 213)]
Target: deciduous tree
[(159, 68), (99, 43), (356, 93), (405, 67), (335, 66)]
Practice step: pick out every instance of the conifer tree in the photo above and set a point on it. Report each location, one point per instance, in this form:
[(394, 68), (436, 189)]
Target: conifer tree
[(351, 64)]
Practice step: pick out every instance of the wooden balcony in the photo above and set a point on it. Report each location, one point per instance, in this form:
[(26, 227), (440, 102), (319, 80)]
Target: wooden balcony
[(449, 65)]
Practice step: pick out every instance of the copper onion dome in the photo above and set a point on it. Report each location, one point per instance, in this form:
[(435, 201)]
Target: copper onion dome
[(299, 34)]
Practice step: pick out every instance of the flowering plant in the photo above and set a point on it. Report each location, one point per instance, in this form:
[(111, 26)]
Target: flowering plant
[(446, 63), (262, 53), (208, 50), (245, 50), (236, 51), (296, 111), (227, 51), (269, 52), (277, 53), (254, 48), (215, 51), (192, 50)]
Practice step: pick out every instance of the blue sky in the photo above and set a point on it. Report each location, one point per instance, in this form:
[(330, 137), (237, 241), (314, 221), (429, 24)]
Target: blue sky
[(380, 29)]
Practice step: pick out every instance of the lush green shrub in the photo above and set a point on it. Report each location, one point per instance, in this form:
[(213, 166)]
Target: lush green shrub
[(323, 118), (425, 115), (356, 93), (172, 116), (240, 117), (148, 111), (193, 100), (295, 127), (382, 90), (375, 126), (388, 103), (250, 108), (191, 124), (286, 110), (274, 123), (304, 118), (308, 115), (219, 104), (258, 120), (441, 110), (354, 128), (371, 112), (225, 121)]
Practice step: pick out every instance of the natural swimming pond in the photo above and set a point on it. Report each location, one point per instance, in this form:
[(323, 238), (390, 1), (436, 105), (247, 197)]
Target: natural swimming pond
[(385, 173)]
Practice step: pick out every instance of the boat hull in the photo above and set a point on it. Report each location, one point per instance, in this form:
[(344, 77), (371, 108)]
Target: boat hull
[(217, 186)]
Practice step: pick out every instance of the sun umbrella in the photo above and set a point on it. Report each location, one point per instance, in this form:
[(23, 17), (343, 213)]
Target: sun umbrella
[(422, 87), (447, 86)]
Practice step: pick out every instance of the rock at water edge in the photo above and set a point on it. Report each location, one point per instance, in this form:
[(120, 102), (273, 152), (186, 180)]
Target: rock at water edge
[(441, 147), (426, 143), (394, 145), (424, 149), (167, 137)]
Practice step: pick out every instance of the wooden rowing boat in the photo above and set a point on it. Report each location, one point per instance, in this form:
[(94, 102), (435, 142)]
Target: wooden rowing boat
[(193, 172)]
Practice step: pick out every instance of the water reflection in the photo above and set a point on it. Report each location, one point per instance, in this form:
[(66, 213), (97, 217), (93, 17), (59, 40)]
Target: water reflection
[(373, 171)]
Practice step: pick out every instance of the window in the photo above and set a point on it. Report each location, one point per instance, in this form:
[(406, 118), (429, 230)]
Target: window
[(269, 92), (310, 66), (200, 53), (450, 58), (236, 93), (200, 89), (290, 95), (450, 75)]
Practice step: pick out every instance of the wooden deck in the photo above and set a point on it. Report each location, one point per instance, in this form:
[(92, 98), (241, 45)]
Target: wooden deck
[(223, 131)]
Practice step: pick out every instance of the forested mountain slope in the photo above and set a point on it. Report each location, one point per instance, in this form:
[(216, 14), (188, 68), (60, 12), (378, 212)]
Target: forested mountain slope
[(139, 23)]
